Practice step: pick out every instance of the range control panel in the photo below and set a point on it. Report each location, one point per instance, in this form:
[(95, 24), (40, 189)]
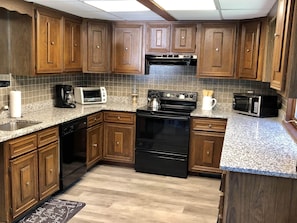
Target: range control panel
[(173, 95)]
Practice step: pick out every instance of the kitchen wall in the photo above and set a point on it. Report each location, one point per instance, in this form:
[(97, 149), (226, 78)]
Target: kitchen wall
[(41, 88)]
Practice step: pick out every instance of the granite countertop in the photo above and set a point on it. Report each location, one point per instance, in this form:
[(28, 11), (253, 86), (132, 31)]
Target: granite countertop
[(251, 145)]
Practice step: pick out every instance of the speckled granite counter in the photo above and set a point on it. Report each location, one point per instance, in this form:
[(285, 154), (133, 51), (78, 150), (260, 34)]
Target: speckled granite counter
[(251, 145), (256, 145)]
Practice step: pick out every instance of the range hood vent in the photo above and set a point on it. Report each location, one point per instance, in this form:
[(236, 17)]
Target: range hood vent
[(169, 59)]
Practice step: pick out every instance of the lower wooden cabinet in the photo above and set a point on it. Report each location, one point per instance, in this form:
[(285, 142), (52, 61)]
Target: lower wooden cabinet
[(29, 172), (94, 139), (119, 137), (206, 142)]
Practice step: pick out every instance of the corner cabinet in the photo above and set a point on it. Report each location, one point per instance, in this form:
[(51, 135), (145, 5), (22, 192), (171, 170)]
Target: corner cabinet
[(206, 142), (94, 139), (127, 48), (217, 50), (29, 172), (49, 42), (119, 136), (96, 38)]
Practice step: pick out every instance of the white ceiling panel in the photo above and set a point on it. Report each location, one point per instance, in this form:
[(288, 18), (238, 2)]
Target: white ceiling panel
[(247, 4), (196, 15), (136, 16), (241, 14)]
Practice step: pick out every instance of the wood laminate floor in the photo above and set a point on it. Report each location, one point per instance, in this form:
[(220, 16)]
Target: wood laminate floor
[(121, 195)]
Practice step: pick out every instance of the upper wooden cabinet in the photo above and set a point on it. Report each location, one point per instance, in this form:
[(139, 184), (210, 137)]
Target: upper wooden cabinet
[(72, 45), (281, 44), (252, 49), (127, 48), (49, 42), (96, 46), (217, 50), (174, 38)]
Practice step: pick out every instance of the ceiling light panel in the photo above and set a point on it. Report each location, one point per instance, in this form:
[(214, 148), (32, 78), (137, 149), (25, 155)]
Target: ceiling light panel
[(196, 15), (118, 5), (186, 4)]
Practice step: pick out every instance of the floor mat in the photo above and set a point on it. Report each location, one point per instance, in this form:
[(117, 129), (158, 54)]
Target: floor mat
[(54, 211)]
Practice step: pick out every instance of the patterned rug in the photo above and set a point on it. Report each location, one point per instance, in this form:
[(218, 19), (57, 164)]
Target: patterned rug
[(54, 211)]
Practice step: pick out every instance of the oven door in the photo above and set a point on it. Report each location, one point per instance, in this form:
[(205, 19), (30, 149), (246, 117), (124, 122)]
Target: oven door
[(162, 144)]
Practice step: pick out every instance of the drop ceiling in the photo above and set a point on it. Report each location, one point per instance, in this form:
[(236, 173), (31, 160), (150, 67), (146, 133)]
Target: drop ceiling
[(225, 10)]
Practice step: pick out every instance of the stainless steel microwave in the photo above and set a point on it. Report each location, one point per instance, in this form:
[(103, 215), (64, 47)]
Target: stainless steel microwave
[(90, 95), (255, 105)]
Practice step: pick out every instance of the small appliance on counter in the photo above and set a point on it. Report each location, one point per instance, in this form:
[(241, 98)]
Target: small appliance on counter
[(64, 96), (257, 105), (90, 95)]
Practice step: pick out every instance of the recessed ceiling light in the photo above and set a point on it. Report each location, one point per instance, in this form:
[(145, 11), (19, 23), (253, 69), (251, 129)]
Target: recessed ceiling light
[(118, 6), (186, 4)]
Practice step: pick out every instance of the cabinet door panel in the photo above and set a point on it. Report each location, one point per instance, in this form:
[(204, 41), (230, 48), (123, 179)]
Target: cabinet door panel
[(119, 142), (217, 52), (24, 183), (49, 43), (94, 144), (158, 38), (184, 38), (72, 42), (48, 170)]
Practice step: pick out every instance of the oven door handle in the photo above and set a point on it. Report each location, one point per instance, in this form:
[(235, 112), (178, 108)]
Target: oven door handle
[(171, 158), (182, 118)]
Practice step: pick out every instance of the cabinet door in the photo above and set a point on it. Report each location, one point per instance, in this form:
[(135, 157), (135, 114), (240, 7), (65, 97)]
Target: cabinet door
[(24, 183), (119, 142), (281, 44), (158, 38), (49, 43), (94, 144), (127, 49), (205, 151), (98, 47), (217, 51), (48, 158), (72, 42), (184, 38), (249, 50)]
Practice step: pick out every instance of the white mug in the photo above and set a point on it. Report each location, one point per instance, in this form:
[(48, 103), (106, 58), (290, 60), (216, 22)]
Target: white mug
[(208, 103)]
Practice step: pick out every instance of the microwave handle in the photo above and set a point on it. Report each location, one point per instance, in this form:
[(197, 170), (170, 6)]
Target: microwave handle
[(250, 104)]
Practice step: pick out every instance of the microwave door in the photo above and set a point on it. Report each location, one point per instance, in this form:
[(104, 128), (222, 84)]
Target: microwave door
[(241, 103)]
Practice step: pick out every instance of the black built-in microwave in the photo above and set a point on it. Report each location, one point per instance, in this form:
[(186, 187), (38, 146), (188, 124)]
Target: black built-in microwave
[(255, 104)]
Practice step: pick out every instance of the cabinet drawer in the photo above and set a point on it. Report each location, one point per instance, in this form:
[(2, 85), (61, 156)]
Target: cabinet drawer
[(209, 124), (22, 145), (119, 117), (47, 136), (95, 119)]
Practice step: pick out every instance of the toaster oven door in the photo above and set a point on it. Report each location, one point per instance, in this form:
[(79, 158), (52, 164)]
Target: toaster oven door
[(241, 103)]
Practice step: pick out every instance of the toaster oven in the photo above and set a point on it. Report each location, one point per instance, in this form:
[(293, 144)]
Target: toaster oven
[(255, 105), (90, 95)]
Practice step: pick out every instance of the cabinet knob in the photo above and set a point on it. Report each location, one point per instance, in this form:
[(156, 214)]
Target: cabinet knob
[(75, 45), (52, 43), (51, 170), (209, 126), (276, 35), (28, 183), (97, 46), (118, 143), (248, 50), (126, 48), (119, 117), (207, 153), (217, 49), (95, 145), (183, 37)]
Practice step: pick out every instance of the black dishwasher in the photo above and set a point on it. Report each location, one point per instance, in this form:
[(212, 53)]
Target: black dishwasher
[(72, 151)]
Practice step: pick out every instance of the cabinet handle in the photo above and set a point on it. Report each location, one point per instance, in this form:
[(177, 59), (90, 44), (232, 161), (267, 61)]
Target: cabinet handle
[(276, 35), (126, 48), (97, 46), (217, 49), (52, 43), (118, 143), (95, 145), (182, 37), (75, 45), (209, 126), (51, 170), (28, 183), (119, 117), (248, 50), (207, 153)]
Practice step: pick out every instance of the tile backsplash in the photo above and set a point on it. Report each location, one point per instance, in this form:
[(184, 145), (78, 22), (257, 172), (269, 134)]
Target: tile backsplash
[(41, 88)]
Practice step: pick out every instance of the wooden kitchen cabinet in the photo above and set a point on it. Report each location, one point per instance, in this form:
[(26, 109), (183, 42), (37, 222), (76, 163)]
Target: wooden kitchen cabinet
[(29, 172), (217, 50), (72, 45), (94, 139), (249, 50), (49, 42), (119, 136), (96, 38), (127, 48), (158, 37), (206, 142), (281, 44), (184, 38)]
